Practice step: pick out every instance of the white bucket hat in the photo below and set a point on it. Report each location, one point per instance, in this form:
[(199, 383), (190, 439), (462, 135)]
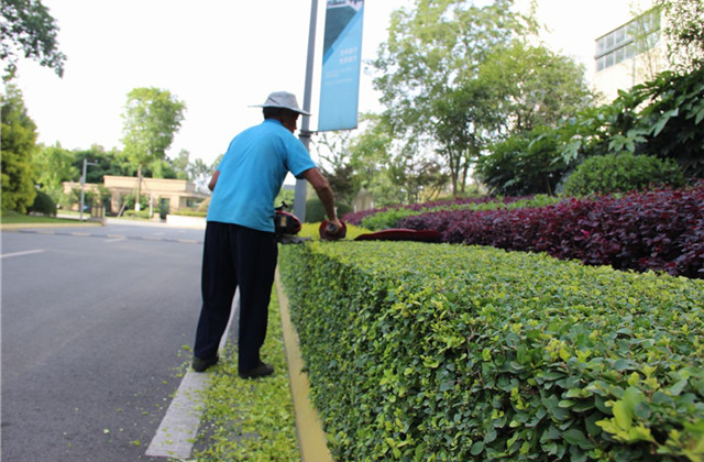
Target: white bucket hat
[(283, 99)]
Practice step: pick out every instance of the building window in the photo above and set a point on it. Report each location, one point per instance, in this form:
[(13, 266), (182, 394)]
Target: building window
[(638, 36)]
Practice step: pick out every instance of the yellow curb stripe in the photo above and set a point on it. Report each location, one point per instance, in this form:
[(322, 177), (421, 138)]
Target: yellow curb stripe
[(311, 437)]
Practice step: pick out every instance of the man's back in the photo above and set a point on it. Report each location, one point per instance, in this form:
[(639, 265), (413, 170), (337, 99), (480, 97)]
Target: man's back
[(252, 172)]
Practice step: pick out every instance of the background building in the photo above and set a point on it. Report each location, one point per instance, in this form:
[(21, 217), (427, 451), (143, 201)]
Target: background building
[(630, 54), (171, 194)]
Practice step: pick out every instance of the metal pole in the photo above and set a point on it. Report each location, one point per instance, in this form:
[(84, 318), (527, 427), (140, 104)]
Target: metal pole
[(83, 187), (299, 202)]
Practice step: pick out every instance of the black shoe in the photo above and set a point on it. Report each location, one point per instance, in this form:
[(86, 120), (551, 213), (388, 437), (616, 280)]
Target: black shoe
[(262, 370), (200, 365)]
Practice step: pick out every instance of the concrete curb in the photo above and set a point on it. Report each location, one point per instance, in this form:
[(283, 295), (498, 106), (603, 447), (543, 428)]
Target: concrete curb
[(311, 437), (16, 226)]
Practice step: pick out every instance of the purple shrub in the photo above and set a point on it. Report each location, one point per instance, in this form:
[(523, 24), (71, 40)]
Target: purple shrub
[(661, 230)]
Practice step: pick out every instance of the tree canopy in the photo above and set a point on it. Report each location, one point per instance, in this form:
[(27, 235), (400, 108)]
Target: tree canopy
[(151, 119), (17, 142), (455, 77), (55, 165), (429, 66), (27, 29), (684, 29)]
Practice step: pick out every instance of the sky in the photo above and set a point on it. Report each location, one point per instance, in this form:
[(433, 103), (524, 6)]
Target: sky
[(220, 57)]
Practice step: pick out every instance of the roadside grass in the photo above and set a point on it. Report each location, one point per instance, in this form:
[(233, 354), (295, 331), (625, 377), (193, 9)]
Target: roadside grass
[(250, 420), (10, 217)]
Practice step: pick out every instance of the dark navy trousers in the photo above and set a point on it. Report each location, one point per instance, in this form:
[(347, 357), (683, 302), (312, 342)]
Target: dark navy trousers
[(235, 256)]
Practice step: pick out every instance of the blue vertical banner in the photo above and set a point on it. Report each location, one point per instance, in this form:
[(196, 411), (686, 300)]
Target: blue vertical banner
[(342, 61)]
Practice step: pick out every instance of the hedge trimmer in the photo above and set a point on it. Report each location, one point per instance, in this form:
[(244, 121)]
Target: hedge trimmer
[(287, 226)]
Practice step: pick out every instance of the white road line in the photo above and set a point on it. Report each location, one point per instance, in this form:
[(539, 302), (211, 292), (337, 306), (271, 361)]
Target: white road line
[(178, 430), (17, 254), (116, 239)]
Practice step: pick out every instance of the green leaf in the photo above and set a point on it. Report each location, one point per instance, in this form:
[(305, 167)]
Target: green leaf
[(677, 388), (631, 398), (477, 448), (664, 119), (490, 436), (574, 436), (622, 416)]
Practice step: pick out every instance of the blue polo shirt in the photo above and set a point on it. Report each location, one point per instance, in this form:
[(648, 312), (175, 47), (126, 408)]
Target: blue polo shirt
[(252, 172)]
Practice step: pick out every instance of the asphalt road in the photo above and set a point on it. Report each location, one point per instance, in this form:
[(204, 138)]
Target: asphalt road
[(96, 324)]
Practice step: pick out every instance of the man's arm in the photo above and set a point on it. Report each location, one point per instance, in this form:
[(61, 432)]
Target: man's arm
[(324, 191)]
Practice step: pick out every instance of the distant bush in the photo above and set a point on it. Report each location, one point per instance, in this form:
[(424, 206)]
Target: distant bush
[(44, 204), (623, 172)]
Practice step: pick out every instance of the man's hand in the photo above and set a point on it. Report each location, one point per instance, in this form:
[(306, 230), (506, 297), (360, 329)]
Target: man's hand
[(334, 226)]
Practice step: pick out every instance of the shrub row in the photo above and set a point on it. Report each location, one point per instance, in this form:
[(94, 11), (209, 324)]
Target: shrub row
[(391, 218), (356, 218), (186, 212), (659, 230), (433, 352)]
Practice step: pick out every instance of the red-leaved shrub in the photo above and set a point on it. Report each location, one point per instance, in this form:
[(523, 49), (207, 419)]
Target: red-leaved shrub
[(661, 230)]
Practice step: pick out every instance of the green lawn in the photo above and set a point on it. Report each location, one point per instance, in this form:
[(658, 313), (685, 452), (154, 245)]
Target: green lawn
[(10, 217), (250, 420)]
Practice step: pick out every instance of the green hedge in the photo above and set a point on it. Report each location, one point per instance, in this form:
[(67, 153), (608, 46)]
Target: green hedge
[(421, 352)]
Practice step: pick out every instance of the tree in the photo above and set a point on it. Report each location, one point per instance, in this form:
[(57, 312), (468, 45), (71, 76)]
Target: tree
[(533, 86), (17, 144), (416, 177), (334, 150), (181, 165), (466, 119), (433, 54), (684, 30), (54, 165), (200, 172), (370, 156), (112, 162), (151, 119), (27, 28)]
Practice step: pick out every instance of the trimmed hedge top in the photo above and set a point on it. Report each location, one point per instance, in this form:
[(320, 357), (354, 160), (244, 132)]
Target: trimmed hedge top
[(439, 352)]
